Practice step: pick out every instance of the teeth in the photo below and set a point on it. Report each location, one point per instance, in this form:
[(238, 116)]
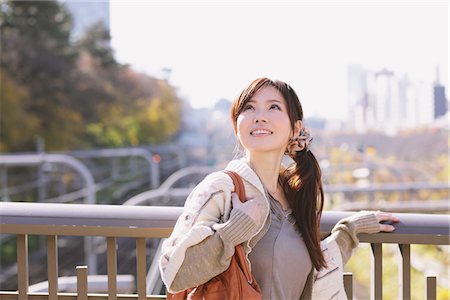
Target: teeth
[(261, 131)]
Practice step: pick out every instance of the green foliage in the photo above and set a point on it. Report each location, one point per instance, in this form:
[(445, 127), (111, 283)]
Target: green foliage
[(73, 94), (154, 125), (357, 265), (35, 41), (8, 251), (96, 41), (17, 124)]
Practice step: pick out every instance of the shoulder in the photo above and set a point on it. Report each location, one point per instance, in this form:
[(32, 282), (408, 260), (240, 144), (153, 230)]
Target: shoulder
[(214, 182), (211, 185)]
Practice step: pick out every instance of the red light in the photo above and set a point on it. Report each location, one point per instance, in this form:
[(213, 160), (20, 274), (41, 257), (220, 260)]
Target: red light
[(156, 158)]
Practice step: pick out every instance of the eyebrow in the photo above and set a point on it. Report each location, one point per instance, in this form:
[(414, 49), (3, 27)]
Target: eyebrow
[(270, 100)]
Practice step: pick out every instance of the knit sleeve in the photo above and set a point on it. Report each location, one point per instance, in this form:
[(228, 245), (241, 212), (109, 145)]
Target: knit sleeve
[(346, 231), (212, 256)]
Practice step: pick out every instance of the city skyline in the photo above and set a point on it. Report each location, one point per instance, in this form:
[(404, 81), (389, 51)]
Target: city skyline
[(214, 49), (385, 101)]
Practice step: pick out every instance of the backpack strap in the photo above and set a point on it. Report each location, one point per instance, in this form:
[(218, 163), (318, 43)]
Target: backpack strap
[(239, 188)]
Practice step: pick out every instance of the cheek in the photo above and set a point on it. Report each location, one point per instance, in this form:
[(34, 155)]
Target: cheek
[(285, 126), (240, 123)]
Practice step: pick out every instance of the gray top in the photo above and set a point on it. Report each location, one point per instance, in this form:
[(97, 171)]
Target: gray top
[(280, 260)]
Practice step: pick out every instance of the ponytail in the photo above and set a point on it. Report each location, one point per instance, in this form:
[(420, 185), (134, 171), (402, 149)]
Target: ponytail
[(302, 185)]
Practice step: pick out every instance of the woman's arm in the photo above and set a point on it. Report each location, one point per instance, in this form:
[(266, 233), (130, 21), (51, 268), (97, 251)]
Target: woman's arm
[(212, 256), (345, 232), (188, 266)]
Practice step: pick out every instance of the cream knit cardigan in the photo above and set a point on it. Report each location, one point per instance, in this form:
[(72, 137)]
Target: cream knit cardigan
[(207, 213)]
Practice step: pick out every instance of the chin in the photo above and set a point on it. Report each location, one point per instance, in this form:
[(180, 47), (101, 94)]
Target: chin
[(264, 150)]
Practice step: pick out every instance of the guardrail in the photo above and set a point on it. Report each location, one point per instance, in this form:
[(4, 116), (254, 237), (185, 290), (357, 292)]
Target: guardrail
[(154, 176), (141, 223), (37, 159)]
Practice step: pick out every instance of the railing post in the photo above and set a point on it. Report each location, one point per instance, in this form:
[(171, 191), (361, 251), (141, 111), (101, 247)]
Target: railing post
[(141, 268), (4, 184), (348, 285), (112, 268), (82, 282), (22, 265), (154, 175), (430, 288), (154, 282), (404, 272), (376, 267), (52, 266), (90, 254), (115, 165)]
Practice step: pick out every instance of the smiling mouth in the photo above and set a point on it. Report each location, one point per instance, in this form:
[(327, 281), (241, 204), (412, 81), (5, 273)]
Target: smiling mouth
[(261, 132)]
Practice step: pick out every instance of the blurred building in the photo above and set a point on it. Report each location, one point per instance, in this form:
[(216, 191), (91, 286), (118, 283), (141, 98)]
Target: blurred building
[(440, 101), (86, 13), (387, 102), (208, 133)]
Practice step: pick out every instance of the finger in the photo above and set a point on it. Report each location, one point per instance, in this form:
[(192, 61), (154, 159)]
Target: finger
[(386, 222), (386, 228), (391, 219), (235, 200), (234, 197), (395, 219), (386, 217), (250, 203)]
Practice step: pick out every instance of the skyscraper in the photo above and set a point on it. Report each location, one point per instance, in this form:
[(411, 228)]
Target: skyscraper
[(386, 101), (440, 101)]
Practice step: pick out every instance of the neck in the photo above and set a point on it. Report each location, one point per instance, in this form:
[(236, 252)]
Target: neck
[(267, 167)]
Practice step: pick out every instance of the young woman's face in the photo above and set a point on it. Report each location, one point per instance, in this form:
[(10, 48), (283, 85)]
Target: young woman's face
[(264, 125)]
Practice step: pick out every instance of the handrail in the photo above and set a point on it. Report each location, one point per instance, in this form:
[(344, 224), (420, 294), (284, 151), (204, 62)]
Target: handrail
[(167, 191), (89, 191), (166, 187), (95, 220), (386, 187), (99, 219), (36, 159), (143, 222), (124, 152)]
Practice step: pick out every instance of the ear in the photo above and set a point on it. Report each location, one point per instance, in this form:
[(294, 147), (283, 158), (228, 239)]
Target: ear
[(298, 126)]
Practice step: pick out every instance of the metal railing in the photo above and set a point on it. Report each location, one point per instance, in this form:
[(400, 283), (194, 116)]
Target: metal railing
[(37, 159), (82, 163), (153, 168), (167, 191), (141, 223)]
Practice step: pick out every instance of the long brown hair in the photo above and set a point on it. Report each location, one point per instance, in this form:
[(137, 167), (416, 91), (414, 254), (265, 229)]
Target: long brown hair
[(301, 181)]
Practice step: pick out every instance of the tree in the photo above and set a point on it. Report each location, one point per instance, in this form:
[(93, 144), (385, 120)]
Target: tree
[(35, 40), (96, 41), (74, 95), (16, 124), (161, 117), (37, 54)]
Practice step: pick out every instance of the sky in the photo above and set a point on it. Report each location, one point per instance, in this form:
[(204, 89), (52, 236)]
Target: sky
[(214, 49)]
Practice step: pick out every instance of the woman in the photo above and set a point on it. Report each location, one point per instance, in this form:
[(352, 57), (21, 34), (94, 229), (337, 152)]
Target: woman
[(279, 223)]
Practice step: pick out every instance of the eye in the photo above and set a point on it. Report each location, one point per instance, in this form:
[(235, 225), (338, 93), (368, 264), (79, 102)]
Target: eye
[(247, 107), (275, 106)]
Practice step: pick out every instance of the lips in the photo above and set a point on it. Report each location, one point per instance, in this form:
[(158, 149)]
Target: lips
[(257, 132)]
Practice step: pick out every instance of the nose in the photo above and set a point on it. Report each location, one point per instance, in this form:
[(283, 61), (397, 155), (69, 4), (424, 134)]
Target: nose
[(260, 118)]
